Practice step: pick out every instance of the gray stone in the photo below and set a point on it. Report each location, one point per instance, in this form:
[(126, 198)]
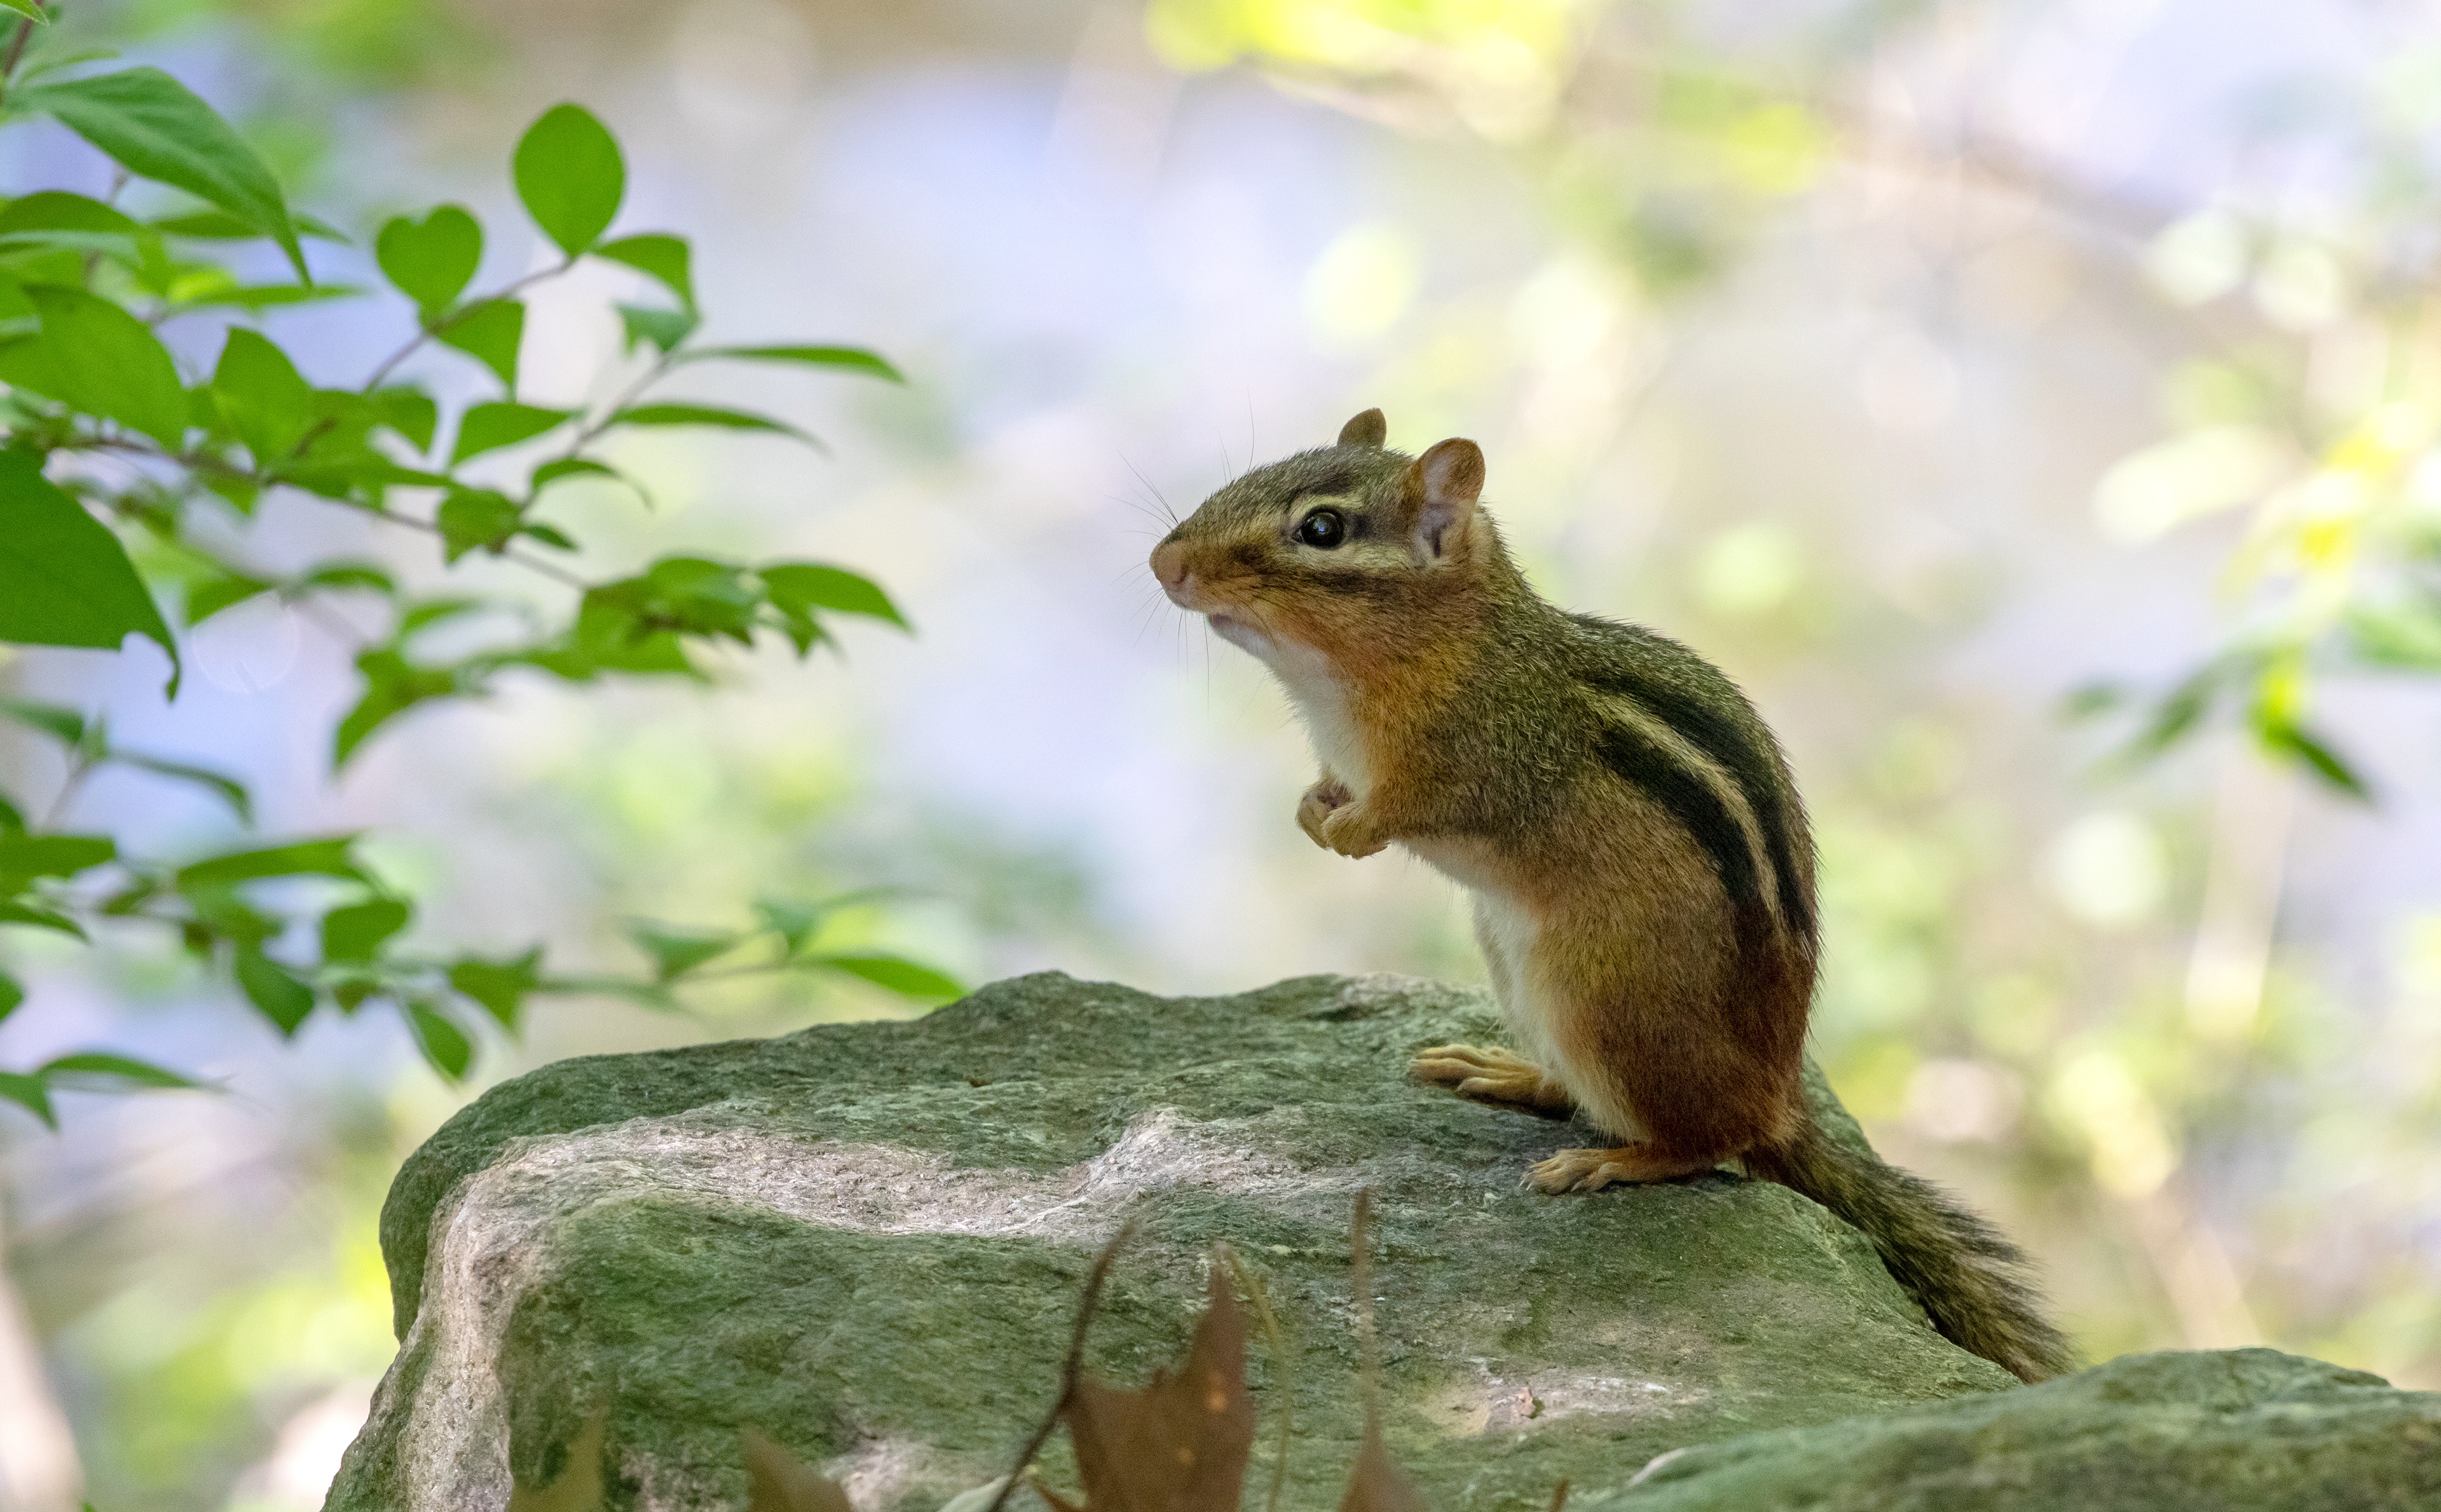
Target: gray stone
[(2224, 1430), (867, 1239)]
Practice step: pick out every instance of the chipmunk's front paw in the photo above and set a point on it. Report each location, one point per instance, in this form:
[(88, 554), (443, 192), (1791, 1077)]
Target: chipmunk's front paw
[(1493, 1076), (1318, 804), (1591, 1170), (1349, 830)]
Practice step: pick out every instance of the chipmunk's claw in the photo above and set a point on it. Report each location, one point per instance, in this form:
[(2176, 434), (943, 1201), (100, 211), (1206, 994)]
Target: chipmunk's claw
[(1349, 829), (1493, 1076), (1591, 1170), (1317, 804)]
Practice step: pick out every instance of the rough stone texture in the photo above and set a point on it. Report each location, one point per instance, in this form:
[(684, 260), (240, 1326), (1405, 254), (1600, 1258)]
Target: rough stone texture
[(867, 1239), (2210, 1431)]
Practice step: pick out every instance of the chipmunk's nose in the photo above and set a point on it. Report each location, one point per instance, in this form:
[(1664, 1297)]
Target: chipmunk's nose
[(1170, 564)]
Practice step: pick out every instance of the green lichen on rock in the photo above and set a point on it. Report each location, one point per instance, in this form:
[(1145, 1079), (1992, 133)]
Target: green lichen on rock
[(2224, 1430), (867, 1240)]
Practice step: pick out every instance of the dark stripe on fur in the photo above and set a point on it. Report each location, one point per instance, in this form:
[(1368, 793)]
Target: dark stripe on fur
[(1651, 767), (1973, 1284), (1744, 750)]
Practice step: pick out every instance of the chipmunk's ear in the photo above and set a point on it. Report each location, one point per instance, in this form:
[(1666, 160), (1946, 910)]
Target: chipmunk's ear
[(1441, 488), (1367, 429)]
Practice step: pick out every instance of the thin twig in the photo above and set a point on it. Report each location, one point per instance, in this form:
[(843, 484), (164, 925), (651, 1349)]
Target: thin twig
[(1276, 1341), (1359, 1242), (17, 48), (653, 374), (424, 332), (79, 769), (1560, 1495), (1071, 1367)]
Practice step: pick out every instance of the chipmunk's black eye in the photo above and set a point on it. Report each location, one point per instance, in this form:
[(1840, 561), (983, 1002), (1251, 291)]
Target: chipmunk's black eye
[(1323, 527)]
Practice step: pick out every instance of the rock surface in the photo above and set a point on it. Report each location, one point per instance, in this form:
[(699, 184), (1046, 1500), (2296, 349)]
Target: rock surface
[(868, 1239), (2211, 1431)]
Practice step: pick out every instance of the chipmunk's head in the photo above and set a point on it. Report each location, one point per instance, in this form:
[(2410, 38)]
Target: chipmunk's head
[(1329, 548)]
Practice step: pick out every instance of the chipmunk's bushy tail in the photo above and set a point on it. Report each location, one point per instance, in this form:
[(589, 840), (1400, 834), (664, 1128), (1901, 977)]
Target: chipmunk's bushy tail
[(1976, 1285)]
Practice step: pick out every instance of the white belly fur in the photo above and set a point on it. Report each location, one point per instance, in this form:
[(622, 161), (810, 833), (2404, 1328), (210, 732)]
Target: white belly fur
[(1322, 706), (1508, 935), (1504, 929)]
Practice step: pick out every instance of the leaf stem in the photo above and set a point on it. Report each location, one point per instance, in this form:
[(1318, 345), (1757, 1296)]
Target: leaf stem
[(1071, 1367), (634, 391), (80, 767), (426, 332), (17, 48)]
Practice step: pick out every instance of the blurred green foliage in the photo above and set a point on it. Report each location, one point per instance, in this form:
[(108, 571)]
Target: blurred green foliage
[(2145, 1117), (105, 435)]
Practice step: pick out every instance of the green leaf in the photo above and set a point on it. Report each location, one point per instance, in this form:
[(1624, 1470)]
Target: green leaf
[(488, 427), (64, 579), (32, 10), (31, 855), (797, 588), (443, 1042), (13, 992), (226, 789), (157, 128), (571, 177), (410, 412), (212, 595), (475, 518), (580, 467), (13, 821), (662, 329), (257, 297), (2294, 742), (95, 1071), (358, 931), (339, 577), (393, 686), (29, 1092), (489, 333), (677, 952), (847, 359), (20, 912), (59, 210), (219, 225), (56, 720), (262, 396), (274, 990), (657, 255), (501, 986), (2403, 637), (331, 858), (795, 923), (708, 415), (892, 974), (18, 317), (433, 259), (98, 359), (2178, 714)]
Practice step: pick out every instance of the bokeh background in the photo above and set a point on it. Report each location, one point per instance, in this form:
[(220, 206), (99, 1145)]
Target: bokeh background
[(1922, 363)]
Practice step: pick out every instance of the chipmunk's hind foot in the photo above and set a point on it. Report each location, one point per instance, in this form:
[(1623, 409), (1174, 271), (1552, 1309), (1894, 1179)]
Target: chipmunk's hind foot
[(1591, 1170), (1483, 1074)]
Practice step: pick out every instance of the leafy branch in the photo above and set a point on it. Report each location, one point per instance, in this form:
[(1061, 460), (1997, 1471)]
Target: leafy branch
[(105, 437)]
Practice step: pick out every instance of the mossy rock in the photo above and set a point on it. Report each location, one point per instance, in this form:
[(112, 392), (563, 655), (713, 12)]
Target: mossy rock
[(867, 1240), (2214, 1430)]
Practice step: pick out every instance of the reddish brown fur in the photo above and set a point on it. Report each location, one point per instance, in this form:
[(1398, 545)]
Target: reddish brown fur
[(1643, 873)]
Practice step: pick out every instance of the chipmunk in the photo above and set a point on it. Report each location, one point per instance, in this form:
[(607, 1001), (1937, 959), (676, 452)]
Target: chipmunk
[(1641, 868)]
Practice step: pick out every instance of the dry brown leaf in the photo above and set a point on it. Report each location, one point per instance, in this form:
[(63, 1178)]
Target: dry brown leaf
[(777, 1481), (1377, 1483), (1181, 1444), (578, 1487)]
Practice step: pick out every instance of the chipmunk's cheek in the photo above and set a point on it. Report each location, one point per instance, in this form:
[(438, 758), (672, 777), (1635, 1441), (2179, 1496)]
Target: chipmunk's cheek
[(1237, 632)]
